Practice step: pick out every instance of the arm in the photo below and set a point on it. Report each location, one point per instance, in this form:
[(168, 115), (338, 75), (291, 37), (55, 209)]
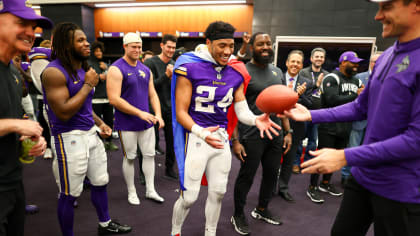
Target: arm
[(58, 97), (113, 88), (154, 101), (331, 93), (106, 131), (183, 93), (287, 140), (23, 127), (305, 97), (159, 80), (237, 148)]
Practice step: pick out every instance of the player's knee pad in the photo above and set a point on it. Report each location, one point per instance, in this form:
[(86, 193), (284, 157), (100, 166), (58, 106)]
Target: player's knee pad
[(189, 197), (217, 195)]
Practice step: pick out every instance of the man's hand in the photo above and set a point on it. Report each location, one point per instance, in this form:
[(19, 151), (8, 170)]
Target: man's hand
[(327, 160), (298, 113), (102, 77), (360, 90), (212, 140), (102, 65), (301, 89), (287, 143), (265, 125), (91, 77), (246, 38), (106, 131), (169, 69), (160, 121), (238, 150), (28, 128), (39, 148), (319, 79), (151, 119)]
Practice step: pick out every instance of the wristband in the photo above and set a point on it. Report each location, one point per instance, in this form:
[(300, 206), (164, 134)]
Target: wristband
[(89, 84), (199, 131), (240, 54)]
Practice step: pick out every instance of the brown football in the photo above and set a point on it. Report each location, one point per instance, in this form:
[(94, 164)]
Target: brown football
[(276, 99)]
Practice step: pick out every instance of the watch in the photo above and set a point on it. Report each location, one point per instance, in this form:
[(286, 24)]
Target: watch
[(290, 131)]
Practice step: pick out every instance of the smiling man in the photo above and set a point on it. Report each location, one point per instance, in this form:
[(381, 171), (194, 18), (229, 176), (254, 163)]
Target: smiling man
[(204, 87), (79, 152), (17, 35), (384, 186)]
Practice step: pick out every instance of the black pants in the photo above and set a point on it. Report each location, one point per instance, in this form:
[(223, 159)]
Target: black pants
[(169, 140), (43, 123), (106, 113), (12, 211), (326, 140), (287, 165), (268, 152), (360, 208)]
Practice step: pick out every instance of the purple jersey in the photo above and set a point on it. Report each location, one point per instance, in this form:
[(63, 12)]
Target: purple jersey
[(40, 53), (83, 119), (212, 91), (135, 90)]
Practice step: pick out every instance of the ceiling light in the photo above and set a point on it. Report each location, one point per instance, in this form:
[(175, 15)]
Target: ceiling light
[(179, 3)]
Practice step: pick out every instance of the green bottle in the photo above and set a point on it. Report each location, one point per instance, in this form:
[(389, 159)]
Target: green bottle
[(27, 145)]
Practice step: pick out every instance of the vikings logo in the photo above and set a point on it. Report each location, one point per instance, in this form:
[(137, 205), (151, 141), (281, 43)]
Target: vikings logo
[(142, 74)]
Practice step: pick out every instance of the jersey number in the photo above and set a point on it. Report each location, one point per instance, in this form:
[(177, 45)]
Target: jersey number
[(211, 92)]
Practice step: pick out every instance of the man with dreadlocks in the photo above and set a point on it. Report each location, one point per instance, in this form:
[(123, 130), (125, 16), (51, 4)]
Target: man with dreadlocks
[(68, 90)]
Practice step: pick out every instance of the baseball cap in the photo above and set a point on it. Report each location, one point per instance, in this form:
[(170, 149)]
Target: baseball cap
[(131, 38), (350, 56), (23, 9)]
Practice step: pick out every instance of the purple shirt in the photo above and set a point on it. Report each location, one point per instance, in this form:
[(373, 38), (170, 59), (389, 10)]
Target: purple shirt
[(388, 162), (212, 92), (135, 90), (83, 119)]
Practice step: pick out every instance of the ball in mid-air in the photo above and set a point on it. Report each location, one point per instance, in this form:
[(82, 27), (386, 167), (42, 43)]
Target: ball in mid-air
[(276, 99)]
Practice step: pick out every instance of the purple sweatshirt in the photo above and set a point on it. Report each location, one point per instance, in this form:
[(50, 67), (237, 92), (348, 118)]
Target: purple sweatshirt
[(388, 162)]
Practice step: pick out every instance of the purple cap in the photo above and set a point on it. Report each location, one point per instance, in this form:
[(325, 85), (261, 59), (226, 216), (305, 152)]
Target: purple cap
[(23, 9), (350, 56)]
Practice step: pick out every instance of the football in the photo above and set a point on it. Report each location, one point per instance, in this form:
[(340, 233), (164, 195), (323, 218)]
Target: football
[(276, 99)]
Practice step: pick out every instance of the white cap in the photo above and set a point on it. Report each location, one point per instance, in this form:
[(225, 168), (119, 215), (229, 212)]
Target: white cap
[(131, 38)]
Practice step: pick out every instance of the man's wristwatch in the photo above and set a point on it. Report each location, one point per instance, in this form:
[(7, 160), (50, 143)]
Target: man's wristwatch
[(290, 131)]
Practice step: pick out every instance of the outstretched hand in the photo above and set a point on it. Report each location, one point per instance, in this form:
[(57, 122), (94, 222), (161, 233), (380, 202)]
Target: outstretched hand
[(298, 113), (267, 126), (327, 160)]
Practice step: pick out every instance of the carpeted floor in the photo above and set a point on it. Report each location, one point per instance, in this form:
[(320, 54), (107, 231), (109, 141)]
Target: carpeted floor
[(302, 218)]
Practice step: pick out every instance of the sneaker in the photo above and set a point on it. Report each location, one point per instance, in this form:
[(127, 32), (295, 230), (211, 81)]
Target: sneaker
[(115, 135), (31, 209), (240, 224), (159, 151), (112, 147), (48, 154), (133, 199), (329, 188), (154, 196), (266, 216), (113, 228), (313, 194)]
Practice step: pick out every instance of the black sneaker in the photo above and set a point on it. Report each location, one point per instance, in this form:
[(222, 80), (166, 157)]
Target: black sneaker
[(266, 216), (329, 188), (114, 228), (240, 224), (313, 194)]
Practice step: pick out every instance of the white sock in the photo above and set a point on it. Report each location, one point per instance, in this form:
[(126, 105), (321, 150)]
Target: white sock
[(104, 224), (149, 172), (128, 171)]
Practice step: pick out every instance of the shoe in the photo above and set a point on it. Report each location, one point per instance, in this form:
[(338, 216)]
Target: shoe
[(112, 147), (266, 216), (133, 199), (31, 209), (48, 153), (313, 194), (286, 196), (240, 224), (329, 188), (142, 179), (296, 169), (159, 151), (154, 196), (170, 174), (113, 228), (115, 135)]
